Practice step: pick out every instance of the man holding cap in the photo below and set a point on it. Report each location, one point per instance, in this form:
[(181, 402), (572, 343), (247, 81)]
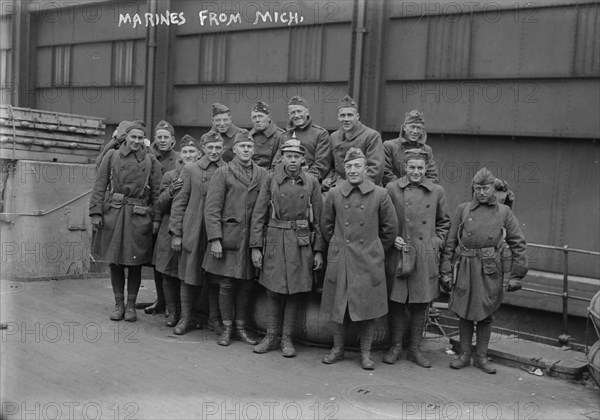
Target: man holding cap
[(267, 136), (314, 138), (485, 241), (222, 124), (188, 232), (126, 221), (423, 224), (289, 207), (354, 134), (412, 136), (360, 223), (232, 193)]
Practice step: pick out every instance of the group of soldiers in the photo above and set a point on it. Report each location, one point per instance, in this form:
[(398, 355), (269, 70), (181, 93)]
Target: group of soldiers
[(286, 206)]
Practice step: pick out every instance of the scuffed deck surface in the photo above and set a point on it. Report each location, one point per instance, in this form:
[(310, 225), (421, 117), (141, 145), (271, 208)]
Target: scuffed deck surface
[(62, 355)]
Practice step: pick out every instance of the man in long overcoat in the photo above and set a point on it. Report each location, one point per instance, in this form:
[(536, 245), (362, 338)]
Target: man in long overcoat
[(485, 241), (163, 148), (222, 123), (286, 243), (188, 231), (360, 223), (232, 193), (423, 223), (266, 134), (412, 136), (353, 133), (313, 137), (124, 211)]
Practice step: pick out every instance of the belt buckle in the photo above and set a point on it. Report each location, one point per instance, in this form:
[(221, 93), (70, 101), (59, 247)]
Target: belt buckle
[(477, 252), (293, 224)]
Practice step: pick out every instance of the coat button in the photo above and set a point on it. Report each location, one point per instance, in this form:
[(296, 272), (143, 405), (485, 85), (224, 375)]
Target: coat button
[(346, 206), (347, 241), (427, 206), (362, 223), (347, 223), (283, 195), (361, 241), (420, 237), (203, 179), (407, 204), (302, 196), (362, 206), (470, 219), (407, 220), (469, 234), (424, 222)]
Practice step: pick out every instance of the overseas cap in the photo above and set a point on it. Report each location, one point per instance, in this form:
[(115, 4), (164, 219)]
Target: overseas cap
[(298, 100), (218, 108), (483, 177), (417, 154), (413, 117), (211, 137), (261, 107), (243, 136), (354, 153), (163, 125), (347, 102), (189, 141), (135, 125)]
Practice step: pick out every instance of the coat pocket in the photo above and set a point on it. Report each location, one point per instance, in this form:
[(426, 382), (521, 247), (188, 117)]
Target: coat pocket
[(231, 229)]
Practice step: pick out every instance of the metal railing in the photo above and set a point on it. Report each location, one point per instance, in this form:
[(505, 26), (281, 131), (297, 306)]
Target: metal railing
[(564, 338)]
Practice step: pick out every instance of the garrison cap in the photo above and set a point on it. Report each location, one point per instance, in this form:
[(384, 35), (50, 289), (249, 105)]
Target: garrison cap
[(211, 137), (293, 145), (261, 107), (347, 102), (242, 137), (354, 153), (189, 141), (483, 177), (120, 131), (218, 108), (414, 117), (417, 154), (298, 100), (135, 125), (163, 125)]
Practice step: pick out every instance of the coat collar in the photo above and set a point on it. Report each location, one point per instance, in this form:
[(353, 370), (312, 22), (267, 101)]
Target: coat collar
[(236, 166), (355, 132), (281, 175), (292, 127), (139, 155), (160, 155), (404, 182), (409, 144), (267, 132), (231, 131), (204, 163), (365, 187), (474, 203)]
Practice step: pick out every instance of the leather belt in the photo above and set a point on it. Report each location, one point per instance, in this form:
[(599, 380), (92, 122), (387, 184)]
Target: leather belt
[(284, 224)]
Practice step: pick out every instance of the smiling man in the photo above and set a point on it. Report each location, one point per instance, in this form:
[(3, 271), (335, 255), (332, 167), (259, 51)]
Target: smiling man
[(222, 123), (354, 134)]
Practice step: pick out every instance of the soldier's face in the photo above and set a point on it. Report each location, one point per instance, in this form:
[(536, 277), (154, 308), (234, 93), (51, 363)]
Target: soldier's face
[(260, 121), (134, 139), (221, 123), (348, 118), (292, 161), (415, 170), (298, 114), (214, 151), (483, 193), (244, 151), (356, 171), (189, 154), (164, 140), (414, 131)]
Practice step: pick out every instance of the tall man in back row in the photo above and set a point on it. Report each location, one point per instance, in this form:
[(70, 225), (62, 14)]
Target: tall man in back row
[(222, 123)]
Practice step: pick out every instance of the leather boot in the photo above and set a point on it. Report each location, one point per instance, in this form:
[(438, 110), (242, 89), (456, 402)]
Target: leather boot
[(393, 354), (417, 325), (334, 355), (156, 308), (242, 335), (225, 338), (214, 325), (292, 302), (366, 361), (339, 338), (172, 293), (272, 340), (174, 315), (287, 347), (130, 315), (268, 343), (187, 294), (465, 331), (118, 312), (483, 334)]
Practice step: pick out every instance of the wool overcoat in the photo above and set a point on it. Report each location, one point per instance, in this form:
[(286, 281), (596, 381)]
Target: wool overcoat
[(287, 266), (266, 145), (479, 289), (187, 218), (423, 222), (228, 213), (360, 224), (316, 141), (395, 157), (228, 139), (126, 235)]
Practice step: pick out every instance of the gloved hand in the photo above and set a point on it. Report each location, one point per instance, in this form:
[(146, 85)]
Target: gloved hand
[(175, 186), (514, 284), (446, 282), (327, 184), (96, 221)]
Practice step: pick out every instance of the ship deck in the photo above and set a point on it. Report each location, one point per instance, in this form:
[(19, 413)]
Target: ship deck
[(61, 357)]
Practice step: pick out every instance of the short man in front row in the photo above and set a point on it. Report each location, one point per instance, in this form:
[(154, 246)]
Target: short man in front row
[(289, 207), (423, 223), (267, 136), (474, 260), (232, 193), (222, 123), (360, 223), (412, 136), (353, 133)]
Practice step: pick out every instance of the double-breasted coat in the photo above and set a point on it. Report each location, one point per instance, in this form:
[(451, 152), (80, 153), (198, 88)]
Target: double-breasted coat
[(423, 222), (187, 218), (228, 213), (228, 139), (363, 138), (287, 266), (126, 235), (316, 141), (168, 160), (164, 259), (360, 224), (395, 157), (479, 289), (266, 145)]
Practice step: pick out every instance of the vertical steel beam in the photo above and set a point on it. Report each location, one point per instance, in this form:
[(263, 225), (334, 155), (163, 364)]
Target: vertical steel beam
[(150, 68)]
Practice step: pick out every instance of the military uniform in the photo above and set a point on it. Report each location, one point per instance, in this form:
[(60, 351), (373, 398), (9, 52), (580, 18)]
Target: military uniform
[(267, 143), (316, 141)]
